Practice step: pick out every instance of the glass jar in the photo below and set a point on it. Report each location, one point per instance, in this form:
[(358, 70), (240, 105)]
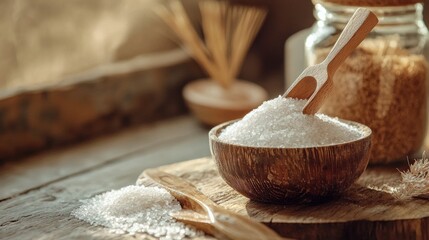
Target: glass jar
[(382, 84)]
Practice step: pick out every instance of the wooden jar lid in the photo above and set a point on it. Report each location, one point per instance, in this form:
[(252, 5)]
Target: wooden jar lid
[(371, 3)]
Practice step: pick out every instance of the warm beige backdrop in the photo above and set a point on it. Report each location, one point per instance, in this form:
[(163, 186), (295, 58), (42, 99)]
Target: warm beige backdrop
[(45, 40)]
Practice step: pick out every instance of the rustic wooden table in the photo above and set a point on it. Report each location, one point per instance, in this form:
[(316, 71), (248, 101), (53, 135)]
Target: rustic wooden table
[(38, 193)]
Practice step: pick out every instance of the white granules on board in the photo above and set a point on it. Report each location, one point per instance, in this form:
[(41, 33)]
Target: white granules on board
[(280, 123), (136, 209)]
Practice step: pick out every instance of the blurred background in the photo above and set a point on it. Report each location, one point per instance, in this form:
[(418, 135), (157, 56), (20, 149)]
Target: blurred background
[(45, 40), (71, 70)]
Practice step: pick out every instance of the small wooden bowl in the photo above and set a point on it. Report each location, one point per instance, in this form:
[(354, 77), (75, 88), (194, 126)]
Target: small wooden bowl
[(287, 175), (213, 105)]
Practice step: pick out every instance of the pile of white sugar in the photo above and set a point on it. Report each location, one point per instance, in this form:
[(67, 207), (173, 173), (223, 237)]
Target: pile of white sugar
[(280, 123), (136, 209)]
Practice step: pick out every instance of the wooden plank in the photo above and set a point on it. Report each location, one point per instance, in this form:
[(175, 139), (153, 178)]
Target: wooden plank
[(361, 213), (91, 103), (33, 172), (45, 213)]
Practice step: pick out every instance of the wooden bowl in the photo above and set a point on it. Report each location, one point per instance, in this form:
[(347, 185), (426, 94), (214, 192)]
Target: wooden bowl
[(287, 175), (213, 105)]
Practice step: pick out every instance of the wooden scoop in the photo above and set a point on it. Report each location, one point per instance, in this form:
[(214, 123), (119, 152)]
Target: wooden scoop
[(315, 82), (207, 215)]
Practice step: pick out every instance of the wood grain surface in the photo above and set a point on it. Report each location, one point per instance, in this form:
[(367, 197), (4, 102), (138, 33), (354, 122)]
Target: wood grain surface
[(361, 213), (100, 100), (40, 192)]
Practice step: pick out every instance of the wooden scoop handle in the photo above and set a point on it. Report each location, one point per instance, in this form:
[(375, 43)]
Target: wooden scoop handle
[(185, 192), (315, 82), (231, 224), (359, 25)]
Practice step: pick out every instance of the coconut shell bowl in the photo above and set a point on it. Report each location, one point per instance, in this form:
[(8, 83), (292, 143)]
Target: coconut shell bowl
[(290, 175)]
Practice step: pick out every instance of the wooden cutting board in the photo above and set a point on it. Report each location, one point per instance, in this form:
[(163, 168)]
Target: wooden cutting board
[(361, 213)]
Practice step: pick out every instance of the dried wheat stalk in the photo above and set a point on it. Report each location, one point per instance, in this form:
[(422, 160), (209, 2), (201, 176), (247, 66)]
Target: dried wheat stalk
[(229, 31), (414, 182)]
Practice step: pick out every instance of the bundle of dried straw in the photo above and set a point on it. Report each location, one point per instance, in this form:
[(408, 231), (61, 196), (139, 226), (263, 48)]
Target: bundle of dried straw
[(229, 31)]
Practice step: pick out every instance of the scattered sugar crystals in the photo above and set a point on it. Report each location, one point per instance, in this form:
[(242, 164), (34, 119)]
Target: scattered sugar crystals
[(136, 209), (280, 123)]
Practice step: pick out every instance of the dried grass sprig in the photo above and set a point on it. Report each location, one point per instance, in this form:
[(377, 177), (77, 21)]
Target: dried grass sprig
[(229, 31), (177, 19), (414, 182)]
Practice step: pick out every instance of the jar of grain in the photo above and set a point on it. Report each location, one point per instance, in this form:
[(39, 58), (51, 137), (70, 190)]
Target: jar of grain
[(383, 83)]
